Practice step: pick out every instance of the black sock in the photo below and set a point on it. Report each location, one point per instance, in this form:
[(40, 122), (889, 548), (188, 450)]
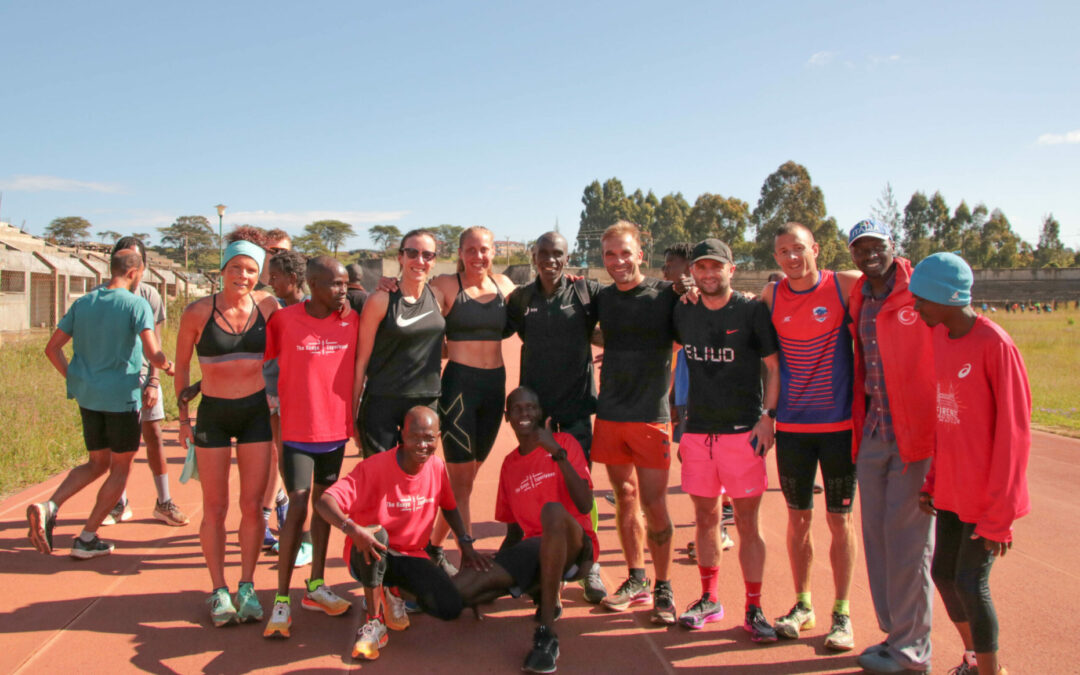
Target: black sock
[(637, 574)]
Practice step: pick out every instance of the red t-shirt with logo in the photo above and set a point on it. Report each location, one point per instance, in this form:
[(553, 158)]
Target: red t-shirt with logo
[(378, 491), (528, 482), (983, 435), (316, 358)]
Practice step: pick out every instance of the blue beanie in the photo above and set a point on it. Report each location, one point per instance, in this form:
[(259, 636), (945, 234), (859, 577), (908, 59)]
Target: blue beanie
[(242, 247), (943, 278)]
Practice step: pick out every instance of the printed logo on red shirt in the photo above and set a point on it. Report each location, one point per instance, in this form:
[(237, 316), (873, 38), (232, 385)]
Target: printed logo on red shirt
[(533, 481), (907, 316), (964, 371), (409, 503), (820, 314), (948, 410)]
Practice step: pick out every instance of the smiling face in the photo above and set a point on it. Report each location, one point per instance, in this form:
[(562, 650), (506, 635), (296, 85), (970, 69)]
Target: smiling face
[(241, 274), (622, 258), (329, 287), (796, 253), (872, 256), (549, 257), (419, 437), (523, 412), (476, 253), (417, 268), (712, 277)]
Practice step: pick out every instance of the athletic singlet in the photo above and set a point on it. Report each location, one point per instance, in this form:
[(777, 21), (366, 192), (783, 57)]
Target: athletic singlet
[(218, 344), (406, 357), (816, 371), (472, 320)]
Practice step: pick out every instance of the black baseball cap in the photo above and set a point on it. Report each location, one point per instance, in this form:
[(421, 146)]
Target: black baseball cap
[(712, 249)]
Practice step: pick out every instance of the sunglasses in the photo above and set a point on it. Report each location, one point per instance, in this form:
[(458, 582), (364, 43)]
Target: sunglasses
[(275, 250), (411, 254)]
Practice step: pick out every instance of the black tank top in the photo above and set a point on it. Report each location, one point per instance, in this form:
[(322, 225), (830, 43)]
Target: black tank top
[(472, 320), (406, 357), (218, 344)]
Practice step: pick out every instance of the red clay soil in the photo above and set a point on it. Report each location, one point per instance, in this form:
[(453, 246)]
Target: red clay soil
[(144, 606)]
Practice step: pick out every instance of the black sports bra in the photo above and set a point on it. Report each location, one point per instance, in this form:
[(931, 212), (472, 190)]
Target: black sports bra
[(217, 344), (472, 320)]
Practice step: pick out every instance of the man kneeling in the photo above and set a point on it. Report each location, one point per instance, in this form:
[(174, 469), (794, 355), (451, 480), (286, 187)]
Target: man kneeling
[(386, 507), (545, 496)]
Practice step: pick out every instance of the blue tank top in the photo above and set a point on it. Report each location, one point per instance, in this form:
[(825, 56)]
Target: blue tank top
[(816, 362)]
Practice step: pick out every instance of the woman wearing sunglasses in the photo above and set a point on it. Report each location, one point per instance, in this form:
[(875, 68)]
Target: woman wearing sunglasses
[(400, 348)]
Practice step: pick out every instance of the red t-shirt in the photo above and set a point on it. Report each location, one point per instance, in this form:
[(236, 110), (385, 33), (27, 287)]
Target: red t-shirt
[(983, 432), (528, 482), (378, 491), (317, 359)]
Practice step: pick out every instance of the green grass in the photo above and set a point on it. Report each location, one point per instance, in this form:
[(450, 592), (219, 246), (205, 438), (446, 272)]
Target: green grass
[(40, 429), (1050, 344)]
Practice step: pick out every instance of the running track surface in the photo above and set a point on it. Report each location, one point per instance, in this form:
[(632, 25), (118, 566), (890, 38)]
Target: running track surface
[(144, 606)]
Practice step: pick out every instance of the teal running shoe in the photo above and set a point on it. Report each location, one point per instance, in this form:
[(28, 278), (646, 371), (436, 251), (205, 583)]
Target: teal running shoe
[(248, 607), (222, 610)]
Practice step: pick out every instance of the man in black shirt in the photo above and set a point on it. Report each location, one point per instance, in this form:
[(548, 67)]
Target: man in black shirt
[(727, 337), (555, 318), (356, 293), (632, 434)]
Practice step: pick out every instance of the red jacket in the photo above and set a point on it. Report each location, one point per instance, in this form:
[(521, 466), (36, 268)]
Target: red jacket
[(907, 355)]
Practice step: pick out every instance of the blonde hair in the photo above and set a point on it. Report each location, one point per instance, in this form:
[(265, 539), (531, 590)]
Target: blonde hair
[(475, 229), (620, 228)]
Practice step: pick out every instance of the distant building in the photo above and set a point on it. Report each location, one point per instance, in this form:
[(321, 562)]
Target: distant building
[(506, 247)]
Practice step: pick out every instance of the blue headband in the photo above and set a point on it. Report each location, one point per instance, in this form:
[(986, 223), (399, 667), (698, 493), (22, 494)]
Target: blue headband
[(241, 247)]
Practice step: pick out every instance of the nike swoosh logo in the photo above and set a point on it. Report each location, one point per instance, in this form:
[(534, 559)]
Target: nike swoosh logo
[(739, 427), (733, 331), (405, 323), (570, 306)]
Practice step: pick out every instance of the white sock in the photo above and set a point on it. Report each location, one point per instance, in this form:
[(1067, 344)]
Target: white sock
[(87, 537), (162, 484), (53, 508), (123, 496)]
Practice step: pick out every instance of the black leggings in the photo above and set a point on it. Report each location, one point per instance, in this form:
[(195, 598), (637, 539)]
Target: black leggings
[(961, 572), (470, 411), (431, 585), (380, 419)]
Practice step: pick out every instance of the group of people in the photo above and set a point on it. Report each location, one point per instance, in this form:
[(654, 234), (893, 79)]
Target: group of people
[(885, 377)]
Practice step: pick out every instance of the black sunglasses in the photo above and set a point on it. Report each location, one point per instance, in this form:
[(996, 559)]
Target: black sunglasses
[(411, 254)]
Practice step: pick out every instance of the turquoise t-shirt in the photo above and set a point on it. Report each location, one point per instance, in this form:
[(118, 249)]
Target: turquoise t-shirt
[(104, 326)]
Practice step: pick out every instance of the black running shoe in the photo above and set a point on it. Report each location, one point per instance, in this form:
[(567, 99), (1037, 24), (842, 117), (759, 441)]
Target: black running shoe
[(438, 556), (758, 626), (663, 611), (544, 653), (84, 550), (727, 515)]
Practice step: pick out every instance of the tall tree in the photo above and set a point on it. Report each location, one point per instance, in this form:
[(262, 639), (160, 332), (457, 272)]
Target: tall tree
[(144, 237), (190, 237), (999, 246), (788, 195), (332, 233), (887, 211), (310, 244), (447, 237), (917, 218), (68, 231), (604, 205), (725, 218), (384, 236), (944, 236), (109, 234), (1051, 251), (669, 225), (962, 224)]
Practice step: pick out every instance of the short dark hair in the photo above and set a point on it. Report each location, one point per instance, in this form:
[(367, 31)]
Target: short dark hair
[(791, 228), (681, 249), (291, 262), (130, 242), (123, 261), (355, 272)]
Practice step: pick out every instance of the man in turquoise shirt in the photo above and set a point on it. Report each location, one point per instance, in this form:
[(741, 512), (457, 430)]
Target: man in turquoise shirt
[(109, 326)]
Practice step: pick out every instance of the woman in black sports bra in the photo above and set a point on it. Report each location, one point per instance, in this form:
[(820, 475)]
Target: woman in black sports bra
[(474, 380), (228, 332)]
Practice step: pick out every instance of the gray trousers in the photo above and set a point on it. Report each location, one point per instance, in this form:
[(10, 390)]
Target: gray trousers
[(898, 540)]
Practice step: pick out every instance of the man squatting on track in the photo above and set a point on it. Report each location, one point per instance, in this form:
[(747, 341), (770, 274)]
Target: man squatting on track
[(314, 343), (386, 506), (726, 337), (893, 417), (545, 497), (555, 318), (813, 423), (152, 412), (632, 435), (112, 329), (977, 485)]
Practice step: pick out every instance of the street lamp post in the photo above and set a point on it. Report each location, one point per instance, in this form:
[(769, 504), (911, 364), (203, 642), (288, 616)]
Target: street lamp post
[(221, 240)]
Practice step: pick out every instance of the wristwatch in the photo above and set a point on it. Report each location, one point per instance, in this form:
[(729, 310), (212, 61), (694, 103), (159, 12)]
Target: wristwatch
[(560, 455), (466, 539), (771, 412)]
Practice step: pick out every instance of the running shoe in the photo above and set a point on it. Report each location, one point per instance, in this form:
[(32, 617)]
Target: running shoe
[(222, 610), (968, 666), (758, 626), (170, 514), (369, 640), (630, 592), (119, 514), (322, 599), (799, 618), (558, 612), (247, 603), (594, 585), (269, 540), (303, 554), (703, 611), (726, 542), (84, 550), (544, 653), (609, 497), (663, 611), (438, 556), (691, 551), (841, 638), (280, 621), (281, 508), (41, 526), (397, 617), (727, 514)]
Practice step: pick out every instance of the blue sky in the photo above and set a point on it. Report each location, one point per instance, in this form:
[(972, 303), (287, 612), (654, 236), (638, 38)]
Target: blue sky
[(500, 113)]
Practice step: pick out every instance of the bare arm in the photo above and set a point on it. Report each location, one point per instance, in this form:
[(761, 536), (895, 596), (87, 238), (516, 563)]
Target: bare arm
[(54, 351), (577, 486), (846, 279), (153, 353), (186, 336), (767, 294), (372, 315), (363, 538), (765, 429), (469, 556)]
